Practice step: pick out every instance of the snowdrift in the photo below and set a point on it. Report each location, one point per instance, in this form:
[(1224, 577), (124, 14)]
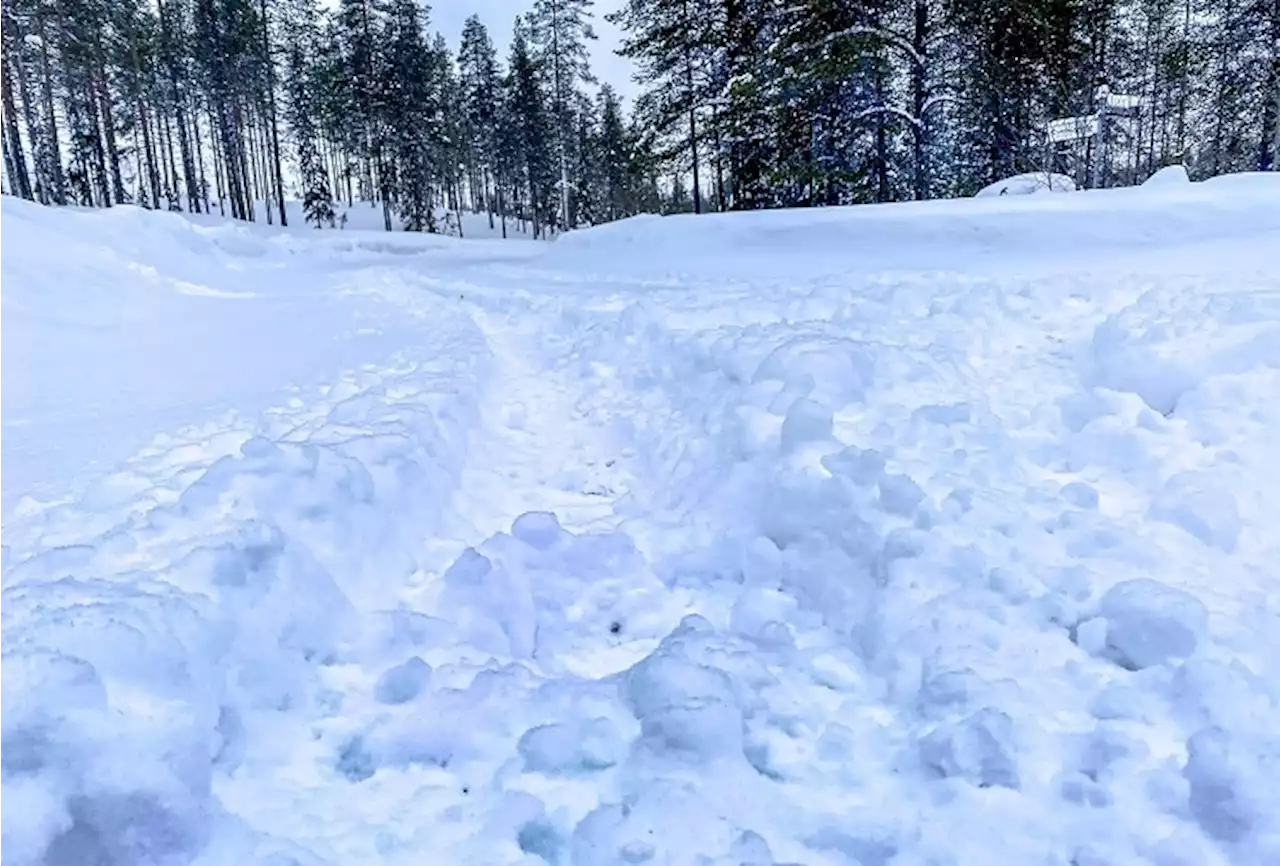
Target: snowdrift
[(1030, 183), (1013, 231)]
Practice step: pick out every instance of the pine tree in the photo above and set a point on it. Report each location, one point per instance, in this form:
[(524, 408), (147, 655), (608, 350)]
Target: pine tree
[(448, 125), (479, 84), (530, 134), (362, 76), (15, 158), (302, 20), (561, 29), (584, 201), (411, 103), (613, 157), (676, 45)]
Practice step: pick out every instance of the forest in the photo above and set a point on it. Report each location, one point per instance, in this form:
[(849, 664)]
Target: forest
[(210, 106)]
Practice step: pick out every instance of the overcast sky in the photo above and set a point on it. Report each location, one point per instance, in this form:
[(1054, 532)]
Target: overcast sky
[(447, 17)]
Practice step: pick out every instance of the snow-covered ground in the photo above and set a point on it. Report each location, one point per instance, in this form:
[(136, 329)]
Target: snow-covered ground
[(363, 215), (892, 536)]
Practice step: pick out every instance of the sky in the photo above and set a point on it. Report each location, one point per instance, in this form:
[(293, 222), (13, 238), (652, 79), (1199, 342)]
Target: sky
[(447, 17)]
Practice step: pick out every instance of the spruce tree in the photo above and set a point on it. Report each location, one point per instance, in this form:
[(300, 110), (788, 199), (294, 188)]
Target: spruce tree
[(612, 154), (561, 29), (410, 100), (479, 85), (362, 79), (676, 45), (530, 133), (301, 89)]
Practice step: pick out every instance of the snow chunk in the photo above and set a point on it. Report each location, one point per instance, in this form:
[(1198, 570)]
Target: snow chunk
[(1080, 494), (1191, 501), (978, 749), (900, 495), (861, 467), (1220, 798), (663, 821), (832, 371), (751, 849), (685, 709), (538, 529), (402, 683), (757, 608), (566, 748), (807, 421), (1149, 623)]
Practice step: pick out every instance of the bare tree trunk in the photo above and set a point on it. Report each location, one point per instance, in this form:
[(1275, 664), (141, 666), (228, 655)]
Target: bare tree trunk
[(108, 118), (488, 198), (202, 183), (258, 137), (501, 210), (231, 163), (166, 179), (919, 95), (693, 114), (1185, 84), (148, 154), (147, 166), (219, 167), (49, 128), (174, 189), (15, 160), (238, 163), (271, 115), (180, 111), (715, 124)]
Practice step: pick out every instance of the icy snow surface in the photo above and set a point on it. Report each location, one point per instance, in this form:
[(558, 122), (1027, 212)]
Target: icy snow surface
[(892, 536)]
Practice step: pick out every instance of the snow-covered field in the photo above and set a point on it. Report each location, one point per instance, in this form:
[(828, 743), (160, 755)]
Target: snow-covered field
[(891, 536)]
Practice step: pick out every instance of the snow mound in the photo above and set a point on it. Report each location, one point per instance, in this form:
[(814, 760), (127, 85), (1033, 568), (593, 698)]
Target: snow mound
[(991, 232), (1029, 183), (1170, 175)]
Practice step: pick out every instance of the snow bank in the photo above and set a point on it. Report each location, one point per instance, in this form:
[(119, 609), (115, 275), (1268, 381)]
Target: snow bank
[(1030, 183), (123, 324), (986, 232), (156, 624)]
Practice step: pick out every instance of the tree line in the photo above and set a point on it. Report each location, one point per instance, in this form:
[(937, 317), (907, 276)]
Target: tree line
[(209, 105), (811, 102)]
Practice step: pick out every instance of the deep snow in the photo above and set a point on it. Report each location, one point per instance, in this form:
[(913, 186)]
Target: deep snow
[(912, 534)]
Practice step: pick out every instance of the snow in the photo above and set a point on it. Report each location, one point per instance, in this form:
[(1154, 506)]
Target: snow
[(1170, 175), (1028, 184), (363, 216), (935, 533)]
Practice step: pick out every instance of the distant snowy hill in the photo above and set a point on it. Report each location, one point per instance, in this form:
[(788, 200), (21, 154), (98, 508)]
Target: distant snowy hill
[(938, 533)]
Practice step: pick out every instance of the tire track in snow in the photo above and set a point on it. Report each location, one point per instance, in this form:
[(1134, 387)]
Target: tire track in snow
[(535, 450)]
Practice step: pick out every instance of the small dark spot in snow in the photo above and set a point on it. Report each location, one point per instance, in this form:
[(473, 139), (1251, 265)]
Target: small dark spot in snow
[(466, 789), (610, 462), (615, 627)]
